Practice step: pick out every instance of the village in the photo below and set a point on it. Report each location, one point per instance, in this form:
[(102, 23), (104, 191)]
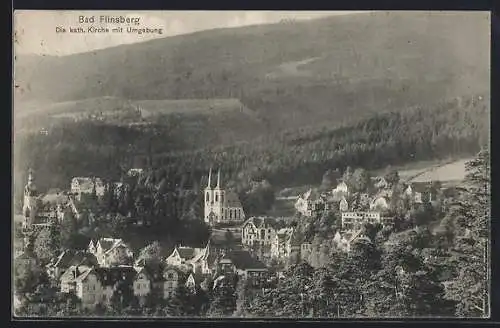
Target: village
[(261, 248)]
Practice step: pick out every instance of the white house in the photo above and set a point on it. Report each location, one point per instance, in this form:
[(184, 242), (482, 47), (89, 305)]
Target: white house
[(258, 231), (355, 220), (96, 285), (341, 190), (420, 192), (198, 260), (346, 240), (310, 202), (111, 252), (86, 185), (280, 248)]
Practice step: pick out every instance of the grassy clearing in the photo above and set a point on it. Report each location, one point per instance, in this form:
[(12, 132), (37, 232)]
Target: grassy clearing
[(189, 106)]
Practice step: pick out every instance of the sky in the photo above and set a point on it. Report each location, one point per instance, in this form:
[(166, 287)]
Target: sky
[(35, 31)]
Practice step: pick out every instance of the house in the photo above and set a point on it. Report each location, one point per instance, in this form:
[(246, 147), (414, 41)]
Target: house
[(380, 204), (193, 282), (111, 252), (86, 185), (97, 285), (198, 260), (305, 250), (346, 240), (310, 202), (54, 205), (156, 279), (69, 258), (259, 231), (242, 263), (355, 220), (134, 172), (343, 205), (420, 192), (172, 277), (221, 205), (341, 190), (280, 246)]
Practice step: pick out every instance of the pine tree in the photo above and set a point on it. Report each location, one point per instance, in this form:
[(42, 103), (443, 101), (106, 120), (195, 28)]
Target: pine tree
[(223, 301), (470, 287)]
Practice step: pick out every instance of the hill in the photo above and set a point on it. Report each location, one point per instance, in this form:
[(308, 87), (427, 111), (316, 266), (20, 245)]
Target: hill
[(289, 74)]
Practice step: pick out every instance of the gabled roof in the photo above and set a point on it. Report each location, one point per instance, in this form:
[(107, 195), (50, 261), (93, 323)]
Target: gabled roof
[(108, 244), (420, 186), (70, 258), (259, 222), (189, 253), (312, 194), (243, 260)]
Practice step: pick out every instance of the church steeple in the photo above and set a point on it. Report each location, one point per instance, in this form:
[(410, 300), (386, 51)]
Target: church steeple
[(30, 189), (209, 179), (218, 180)]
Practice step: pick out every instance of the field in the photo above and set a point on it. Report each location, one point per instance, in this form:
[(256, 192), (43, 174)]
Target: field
[(449, 172), (150, 108)]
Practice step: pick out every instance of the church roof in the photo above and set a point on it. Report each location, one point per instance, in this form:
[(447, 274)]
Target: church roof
[(232, 199)]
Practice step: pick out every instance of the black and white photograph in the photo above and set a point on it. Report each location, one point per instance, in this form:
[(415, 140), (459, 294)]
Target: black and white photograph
[(251, 164)]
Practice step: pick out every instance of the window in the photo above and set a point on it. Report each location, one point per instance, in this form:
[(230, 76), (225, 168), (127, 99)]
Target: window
[(208, 197), (170, 275), (216, 197)]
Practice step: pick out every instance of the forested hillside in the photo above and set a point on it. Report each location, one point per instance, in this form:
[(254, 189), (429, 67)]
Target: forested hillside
[(449, 129), (291, 74)]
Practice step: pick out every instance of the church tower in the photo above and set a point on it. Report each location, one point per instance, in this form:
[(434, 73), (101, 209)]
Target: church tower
[(29, 203), (209, 197), (219, 199)]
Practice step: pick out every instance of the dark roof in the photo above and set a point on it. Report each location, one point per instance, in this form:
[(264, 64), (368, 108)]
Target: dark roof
[(421, 186), (261, 221), (232, 199), (243, 260), (186, 252), (111, 276), (74, 257), (154, 271)]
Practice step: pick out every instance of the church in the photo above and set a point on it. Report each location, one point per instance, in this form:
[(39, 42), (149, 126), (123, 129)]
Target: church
[(221, 206), (30, 203)]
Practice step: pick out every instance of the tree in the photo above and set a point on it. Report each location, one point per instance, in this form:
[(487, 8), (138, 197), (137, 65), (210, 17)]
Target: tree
[(360, 180), (46, 245), (392, 177), (179, 304), (470, 287), (223, 301), (330, 179), (68, 229), (152, 253)]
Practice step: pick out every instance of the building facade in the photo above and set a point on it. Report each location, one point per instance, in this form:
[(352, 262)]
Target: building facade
[(221, 206), (356, 220)]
